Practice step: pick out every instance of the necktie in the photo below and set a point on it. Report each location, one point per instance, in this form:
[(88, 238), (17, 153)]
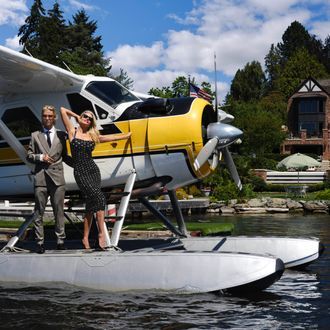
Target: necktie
[(48, 138)]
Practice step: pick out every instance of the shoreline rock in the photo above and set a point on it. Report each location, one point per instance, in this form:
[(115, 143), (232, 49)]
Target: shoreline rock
[(268, 205)]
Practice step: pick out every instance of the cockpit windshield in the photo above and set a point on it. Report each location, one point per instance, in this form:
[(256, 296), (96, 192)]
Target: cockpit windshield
[(111, 92)]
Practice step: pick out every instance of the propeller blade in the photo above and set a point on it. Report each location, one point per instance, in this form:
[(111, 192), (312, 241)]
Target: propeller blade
[(205, 153), (215, 160), (231, 167)]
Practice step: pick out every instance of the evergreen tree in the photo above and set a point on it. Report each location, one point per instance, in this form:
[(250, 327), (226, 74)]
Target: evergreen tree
[(248, 84), (123, 79), (83, 52), (294, 38), (326, 54), (52, 36), (298, 68), (273, 66), (30, 32)]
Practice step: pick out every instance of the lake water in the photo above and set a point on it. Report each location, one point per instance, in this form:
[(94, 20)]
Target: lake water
[(299, 300)]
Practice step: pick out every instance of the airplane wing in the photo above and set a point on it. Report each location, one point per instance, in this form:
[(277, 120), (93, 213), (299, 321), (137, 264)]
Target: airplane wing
[(20, 73)]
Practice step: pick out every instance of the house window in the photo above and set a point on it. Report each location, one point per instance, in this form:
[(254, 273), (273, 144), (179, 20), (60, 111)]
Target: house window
[(310, 127), (311, 105)]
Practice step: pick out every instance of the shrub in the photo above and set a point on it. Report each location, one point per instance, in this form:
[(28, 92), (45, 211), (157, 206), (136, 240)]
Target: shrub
[(258, 184), (324, 195), (181, 194), (193, 190), (225, 191)]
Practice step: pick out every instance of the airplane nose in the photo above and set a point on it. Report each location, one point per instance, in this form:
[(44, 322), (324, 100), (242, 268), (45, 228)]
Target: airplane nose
[(225, 133)]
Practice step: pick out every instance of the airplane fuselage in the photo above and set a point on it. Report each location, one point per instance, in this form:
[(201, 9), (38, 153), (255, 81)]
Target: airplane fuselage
[(162, 146)]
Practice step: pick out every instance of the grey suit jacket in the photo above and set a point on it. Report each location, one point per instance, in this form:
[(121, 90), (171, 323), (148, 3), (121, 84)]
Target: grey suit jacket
[(38, 145)]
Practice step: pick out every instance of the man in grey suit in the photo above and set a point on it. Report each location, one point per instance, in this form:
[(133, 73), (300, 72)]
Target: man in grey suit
[(47, 150)]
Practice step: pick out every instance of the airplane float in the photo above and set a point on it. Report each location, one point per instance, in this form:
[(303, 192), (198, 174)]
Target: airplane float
[(174, 142)]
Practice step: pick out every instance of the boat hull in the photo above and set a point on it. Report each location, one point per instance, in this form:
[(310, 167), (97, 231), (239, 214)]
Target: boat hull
[(180, 271)]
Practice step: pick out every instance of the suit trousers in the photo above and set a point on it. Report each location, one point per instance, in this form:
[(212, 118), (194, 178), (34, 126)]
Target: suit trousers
[(56, 194)]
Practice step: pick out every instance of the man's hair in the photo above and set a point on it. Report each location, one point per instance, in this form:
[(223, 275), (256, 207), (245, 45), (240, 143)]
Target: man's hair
[(50, 108)]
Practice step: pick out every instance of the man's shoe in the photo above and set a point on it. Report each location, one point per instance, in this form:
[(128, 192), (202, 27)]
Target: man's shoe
[(41, 249), (61, 246)]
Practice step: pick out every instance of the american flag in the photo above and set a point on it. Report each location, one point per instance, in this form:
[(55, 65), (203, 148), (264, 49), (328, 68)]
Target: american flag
[(198, 92)]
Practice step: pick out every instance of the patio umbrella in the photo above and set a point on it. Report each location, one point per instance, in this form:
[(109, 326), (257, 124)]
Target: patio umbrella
[(298, 161)]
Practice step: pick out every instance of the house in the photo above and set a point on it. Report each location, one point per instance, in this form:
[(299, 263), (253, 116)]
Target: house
[(309, 120)]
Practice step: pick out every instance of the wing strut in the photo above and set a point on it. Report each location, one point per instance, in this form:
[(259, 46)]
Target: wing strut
[(13, 142), (121, 211)]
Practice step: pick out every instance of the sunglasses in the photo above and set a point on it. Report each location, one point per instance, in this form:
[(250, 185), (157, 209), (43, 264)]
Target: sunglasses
[(87, 117)]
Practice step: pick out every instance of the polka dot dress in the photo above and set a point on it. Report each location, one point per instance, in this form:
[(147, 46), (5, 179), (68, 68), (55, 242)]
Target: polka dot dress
[(87, 174)]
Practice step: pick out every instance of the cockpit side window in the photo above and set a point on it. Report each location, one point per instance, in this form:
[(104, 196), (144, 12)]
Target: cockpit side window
[(21, 121), (111, 92), (79, 104)]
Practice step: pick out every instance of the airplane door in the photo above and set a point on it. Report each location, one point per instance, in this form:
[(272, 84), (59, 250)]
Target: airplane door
[(140, 148), (116, 160)]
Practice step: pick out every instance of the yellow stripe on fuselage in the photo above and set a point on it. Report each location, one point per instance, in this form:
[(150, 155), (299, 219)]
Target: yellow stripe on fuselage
[(150, 135)]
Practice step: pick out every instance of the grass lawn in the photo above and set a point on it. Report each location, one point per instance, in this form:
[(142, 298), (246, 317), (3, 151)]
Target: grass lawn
[(207, 228)]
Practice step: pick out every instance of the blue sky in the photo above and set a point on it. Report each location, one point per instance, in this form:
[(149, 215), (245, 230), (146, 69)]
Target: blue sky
[(155, 41)]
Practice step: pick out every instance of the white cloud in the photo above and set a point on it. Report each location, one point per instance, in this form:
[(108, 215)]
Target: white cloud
[(239, 31), (13, 43), (321, 29), (81, 5), (12, 12), (141, 57)]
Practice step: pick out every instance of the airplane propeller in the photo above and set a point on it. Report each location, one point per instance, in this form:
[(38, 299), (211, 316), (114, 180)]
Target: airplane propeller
[(232, 167), (220, 137), (205, 153)]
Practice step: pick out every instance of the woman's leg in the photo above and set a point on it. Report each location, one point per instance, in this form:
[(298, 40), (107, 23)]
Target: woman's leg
[(100, 223), (87, 228)]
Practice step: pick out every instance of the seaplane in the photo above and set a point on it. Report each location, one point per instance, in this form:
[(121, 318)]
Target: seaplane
[(174, 142)]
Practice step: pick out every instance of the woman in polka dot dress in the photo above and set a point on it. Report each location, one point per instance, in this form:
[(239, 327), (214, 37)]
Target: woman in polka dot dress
[(87, 174)]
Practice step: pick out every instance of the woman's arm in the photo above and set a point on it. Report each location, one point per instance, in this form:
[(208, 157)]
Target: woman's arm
[(114, 137), (66, 114)]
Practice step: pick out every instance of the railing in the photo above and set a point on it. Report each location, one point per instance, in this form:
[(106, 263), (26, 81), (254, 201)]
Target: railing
[(295, 177)]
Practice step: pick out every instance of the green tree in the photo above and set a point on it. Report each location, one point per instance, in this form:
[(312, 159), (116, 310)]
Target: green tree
[(273, 64), (180, 87), (299, 67), (275, 102), (262, 129), (326, 54), (124, 79), (248, 84), (84, 53), (52, 36), (294, 38), (30, 32), (165, 92)]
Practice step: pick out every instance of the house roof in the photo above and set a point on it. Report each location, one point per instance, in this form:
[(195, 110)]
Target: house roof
[(325, 84), (312, 87)]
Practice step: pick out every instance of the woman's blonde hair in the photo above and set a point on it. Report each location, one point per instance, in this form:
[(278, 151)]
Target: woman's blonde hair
[(92, 130)]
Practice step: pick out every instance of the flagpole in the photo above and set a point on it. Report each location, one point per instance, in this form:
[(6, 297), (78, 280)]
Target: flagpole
[(215, 84)]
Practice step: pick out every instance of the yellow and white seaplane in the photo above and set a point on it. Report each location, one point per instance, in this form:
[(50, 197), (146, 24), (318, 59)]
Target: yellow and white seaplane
[(174, 142)]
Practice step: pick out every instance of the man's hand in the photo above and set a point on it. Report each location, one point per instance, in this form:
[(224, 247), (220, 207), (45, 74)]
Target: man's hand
[(47, 159)]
